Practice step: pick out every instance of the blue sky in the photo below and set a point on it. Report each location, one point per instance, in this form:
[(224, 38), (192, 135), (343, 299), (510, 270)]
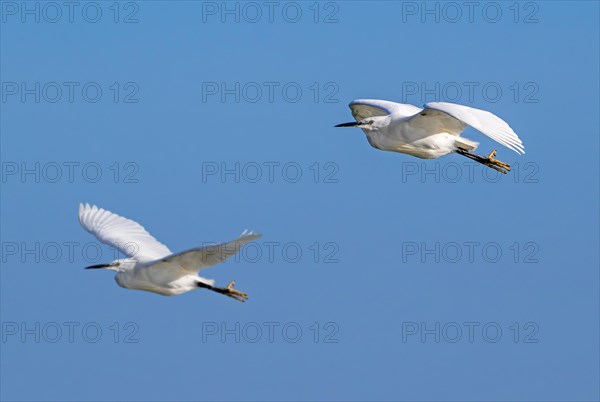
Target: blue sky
[(379, 276)]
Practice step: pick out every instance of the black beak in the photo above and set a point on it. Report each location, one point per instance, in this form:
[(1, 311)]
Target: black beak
[(98, 266), (351, 124)]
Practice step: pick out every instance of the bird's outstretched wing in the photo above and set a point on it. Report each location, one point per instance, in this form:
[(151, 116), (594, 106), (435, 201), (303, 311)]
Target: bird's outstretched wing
[(363, 108), (485, 122), (127, 236), (202, 257)]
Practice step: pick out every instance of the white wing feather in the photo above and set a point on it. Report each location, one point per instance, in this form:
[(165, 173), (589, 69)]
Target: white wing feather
[(202, 257), (486, 122), (127, 236), (363, 108)]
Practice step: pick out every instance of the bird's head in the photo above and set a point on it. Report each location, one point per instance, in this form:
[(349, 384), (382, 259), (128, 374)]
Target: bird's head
[(117, 265), (369, 123)]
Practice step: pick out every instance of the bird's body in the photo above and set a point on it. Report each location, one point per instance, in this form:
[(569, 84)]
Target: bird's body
[(157, 277), (429, 132), (151, 266)]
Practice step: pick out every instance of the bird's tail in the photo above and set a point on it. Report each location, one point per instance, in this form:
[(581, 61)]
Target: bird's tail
[(464, 143)]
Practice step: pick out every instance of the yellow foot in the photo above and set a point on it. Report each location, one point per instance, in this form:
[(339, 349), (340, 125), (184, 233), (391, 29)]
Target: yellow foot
[(491, 158), (236, 294)]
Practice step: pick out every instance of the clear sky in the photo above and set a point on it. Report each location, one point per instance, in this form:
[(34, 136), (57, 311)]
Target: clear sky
[(379, 277)]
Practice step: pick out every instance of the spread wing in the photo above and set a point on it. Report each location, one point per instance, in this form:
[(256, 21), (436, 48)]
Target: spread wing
[(363, 108), (485, 122), (127, 236), (202, 257)]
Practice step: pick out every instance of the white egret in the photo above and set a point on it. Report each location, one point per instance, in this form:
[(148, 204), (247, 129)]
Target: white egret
[(151, 266), (433, 131)]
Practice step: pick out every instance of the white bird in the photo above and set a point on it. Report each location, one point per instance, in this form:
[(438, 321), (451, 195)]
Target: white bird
[(151, 266), (433, 131)]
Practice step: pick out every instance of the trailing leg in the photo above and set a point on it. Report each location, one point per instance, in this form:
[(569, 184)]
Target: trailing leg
[(489, 161), (227, 291)]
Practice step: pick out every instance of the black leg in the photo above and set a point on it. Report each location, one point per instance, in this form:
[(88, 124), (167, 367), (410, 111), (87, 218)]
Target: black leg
[(485, 160), (228, 291)]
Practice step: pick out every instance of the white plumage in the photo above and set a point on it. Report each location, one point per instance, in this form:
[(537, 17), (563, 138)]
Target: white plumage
[(151, 266), (432, 131)]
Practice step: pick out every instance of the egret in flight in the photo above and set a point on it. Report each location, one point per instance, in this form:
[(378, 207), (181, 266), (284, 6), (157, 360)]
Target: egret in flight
[(151, 266), (433, 131)]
